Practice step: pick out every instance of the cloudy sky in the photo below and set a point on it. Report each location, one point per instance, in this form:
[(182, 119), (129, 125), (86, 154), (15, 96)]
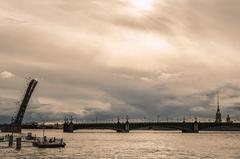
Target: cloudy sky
[(118, 57)]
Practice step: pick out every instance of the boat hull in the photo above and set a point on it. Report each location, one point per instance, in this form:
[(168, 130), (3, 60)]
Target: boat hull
[(49, 145)]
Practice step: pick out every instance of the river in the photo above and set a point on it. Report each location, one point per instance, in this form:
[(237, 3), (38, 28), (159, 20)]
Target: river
[(133, 145)]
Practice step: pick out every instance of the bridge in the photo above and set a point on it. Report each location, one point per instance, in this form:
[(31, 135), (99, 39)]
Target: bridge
[(185, 127), (126, 127), (16, 122)]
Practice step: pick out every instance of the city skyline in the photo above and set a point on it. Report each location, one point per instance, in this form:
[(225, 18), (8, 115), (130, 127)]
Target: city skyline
[(107, 58)]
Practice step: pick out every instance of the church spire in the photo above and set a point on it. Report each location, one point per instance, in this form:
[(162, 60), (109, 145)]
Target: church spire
[(218, 105), (218, 113)]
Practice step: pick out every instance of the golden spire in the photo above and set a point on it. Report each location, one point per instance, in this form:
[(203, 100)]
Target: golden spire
[(218, 114), (218, 105)]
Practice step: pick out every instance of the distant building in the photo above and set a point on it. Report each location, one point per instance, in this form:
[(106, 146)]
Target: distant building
[(218, 113), (228, 119)]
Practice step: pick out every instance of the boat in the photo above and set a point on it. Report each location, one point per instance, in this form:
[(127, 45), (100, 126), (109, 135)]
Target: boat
[(44, 142), (30, 136), (51, 143)]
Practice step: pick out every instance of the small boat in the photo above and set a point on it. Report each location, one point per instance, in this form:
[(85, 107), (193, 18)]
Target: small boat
[(30, 136), (44, 142), (51, 143)]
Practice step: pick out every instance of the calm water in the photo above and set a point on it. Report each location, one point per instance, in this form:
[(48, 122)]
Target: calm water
[(136, 145)]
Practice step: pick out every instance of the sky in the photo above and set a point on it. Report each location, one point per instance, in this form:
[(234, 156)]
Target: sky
[(106, 58)]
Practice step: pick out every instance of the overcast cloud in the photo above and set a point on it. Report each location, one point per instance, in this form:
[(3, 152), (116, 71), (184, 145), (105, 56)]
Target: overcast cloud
[(118, 57)]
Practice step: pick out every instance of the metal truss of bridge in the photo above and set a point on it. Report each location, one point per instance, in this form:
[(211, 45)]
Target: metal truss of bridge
[(185, 127), (16, 123)]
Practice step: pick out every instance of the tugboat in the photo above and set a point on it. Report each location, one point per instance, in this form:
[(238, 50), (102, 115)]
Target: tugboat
[(44, 142)]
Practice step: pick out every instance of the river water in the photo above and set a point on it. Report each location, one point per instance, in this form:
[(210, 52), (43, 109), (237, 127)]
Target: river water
[(134, 145)]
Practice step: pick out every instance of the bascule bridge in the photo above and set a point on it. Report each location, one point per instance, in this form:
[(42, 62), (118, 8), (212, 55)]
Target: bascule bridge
[(16, 123)]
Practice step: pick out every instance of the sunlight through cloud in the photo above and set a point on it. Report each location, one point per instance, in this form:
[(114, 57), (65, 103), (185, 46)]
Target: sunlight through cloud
[(142, 5)]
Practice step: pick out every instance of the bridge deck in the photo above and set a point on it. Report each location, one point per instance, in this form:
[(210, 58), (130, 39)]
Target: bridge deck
[(183, 126)]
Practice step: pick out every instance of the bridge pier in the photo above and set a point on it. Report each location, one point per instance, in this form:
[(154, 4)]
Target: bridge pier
[(189, 131), (68, 127), (123, 128), (122, 131), (193, 129)]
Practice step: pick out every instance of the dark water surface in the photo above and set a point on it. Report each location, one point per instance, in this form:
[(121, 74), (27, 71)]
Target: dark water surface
[(136, 145)]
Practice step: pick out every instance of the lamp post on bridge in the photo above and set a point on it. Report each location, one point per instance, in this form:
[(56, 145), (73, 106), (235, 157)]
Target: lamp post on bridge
[(118, 120)]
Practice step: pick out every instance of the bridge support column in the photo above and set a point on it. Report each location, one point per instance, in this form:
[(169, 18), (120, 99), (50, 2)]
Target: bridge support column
[(68, 127), (195, 128), (127, 127), (122, 131), (10, 142), (123, 128)]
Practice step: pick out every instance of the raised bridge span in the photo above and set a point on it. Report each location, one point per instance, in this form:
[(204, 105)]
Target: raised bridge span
[(185, 127), (15, 125)]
